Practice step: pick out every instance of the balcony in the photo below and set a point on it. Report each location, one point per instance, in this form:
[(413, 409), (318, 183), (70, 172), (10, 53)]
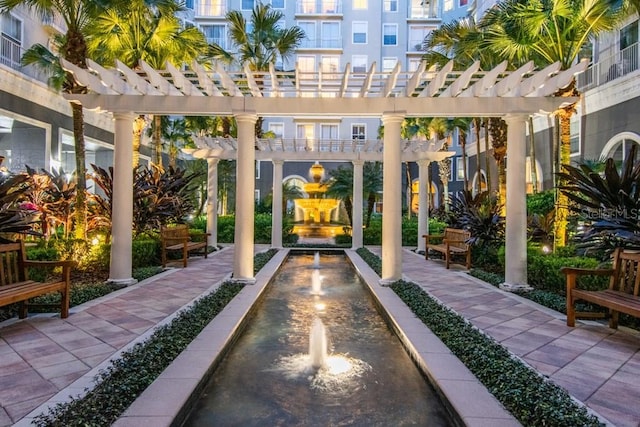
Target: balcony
[(10, 52), (324, 43), (10, 55), (423, 11), (610, 68), (319, 7)]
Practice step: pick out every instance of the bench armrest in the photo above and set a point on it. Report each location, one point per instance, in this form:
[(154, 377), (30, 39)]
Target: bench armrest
[(432, 236)]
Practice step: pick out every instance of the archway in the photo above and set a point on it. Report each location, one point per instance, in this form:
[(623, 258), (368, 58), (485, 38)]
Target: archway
[(618, 146)]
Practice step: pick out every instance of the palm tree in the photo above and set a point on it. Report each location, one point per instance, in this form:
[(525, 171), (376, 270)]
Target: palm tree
[(259, 44), (144, 30), (77, 14), (175, 133), (290, 191), (547, 32), (462, 124), (372, 186), (340, 186), (462, 41)]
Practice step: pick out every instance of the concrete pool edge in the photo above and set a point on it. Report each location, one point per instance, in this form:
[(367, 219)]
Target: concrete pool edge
[(165, 401)]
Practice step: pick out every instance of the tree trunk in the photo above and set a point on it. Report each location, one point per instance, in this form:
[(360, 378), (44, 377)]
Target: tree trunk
[(487, 163), (81, 172), (157, 140), (465, 172), (532, 157), (371, 201), (476, 128), (138, 127), (498, 130), (562, 201)]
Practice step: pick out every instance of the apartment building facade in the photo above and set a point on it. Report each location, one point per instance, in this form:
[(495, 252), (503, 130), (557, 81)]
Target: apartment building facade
[(36, 124)]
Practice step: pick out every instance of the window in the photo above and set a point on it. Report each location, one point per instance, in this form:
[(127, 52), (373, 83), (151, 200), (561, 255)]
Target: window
[(258, 172), (424, 8), (330, 64), (629, 35), (277, 4), (360, 4), (247, 4), (414, 64), (212, 8), (215, 34), (388, 64), (307, 64), (328, 133), (306, 134), (11, 28), (417, 34), (460, 169), (330, 34), (188, 4), (277, 129), (359, 63), (448, 4), (358, 131), (359, 32), (390, 34), (256, 195), (390, 5), (463, 3), (329, 6), (619, 146), (309, 29)]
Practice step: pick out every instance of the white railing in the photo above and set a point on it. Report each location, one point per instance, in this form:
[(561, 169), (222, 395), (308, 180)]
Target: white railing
[(332, 43), (425, 11), (10, 52), (609, 68), (325, 7)]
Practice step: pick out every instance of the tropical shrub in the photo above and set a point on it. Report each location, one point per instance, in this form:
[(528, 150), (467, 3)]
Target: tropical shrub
[(609, 203), (541, 203), (15, 218)]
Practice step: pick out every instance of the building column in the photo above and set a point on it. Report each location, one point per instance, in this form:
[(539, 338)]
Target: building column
[(245, 204), (356, 226), (392, 199), (516, 228), (276, 205), (212, 201), (423, 202), (120, 268)]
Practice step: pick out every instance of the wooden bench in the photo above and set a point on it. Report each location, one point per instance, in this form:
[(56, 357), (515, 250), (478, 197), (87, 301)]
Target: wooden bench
[(177, 238), (15, 286), (452, 242), (622, 296)]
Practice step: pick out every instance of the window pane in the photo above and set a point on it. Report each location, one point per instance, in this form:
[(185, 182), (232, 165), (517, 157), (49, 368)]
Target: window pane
[(277, 4), (247, 4)]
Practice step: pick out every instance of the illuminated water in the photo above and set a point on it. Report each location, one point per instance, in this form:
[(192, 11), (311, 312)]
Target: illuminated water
[(317, 360)]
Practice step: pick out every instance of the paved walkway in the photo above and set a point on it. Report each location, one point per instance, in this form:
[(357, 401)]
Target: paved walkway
[(44, 358)]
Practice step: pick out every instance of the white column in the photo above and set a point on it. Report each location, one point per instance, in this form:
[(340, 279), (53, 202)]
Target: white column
[(276, 205), (120, 268), (212, 201), (392, 199), (245, 189), (516, 229), (423, 202), (356, 230)]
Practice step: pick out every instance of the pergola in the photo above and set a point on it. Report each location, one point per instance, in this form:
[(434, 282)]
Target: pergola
[(390, 96)]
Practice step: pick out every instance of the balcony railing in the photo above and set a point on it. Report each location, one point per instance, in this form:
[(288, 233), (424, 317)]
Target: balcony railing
[(609, 68), (423, 12), (10, 55), (331, 43), (10, 52), (323, 7)]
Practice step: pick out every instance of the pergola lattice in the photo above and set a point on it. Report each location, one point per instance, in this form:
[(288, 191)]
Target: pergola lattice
[(391, 96)]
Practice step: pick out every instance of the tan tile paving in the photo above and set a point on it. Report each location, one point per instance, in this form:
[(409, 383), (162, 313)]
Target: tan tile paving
[(42, 355)]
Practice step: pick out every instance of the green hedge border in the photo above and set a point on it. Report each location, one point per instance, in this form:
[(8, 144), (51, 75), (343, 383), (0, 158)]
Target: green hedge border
[(530, 397)]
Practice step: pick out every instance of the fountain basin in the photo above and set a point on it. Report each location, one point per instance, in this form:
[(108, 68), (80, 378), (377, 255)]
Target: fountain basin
[(168, 399)]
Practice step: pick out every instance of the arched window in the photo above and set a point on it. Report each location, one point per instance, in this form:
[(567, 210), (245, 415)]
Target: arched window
[(479, 183), (619, 146)]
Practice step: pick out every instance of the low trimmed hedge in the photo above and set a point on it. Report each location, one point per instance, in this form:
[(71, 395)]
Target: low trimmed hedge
[(126, 378), (531, 398)]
